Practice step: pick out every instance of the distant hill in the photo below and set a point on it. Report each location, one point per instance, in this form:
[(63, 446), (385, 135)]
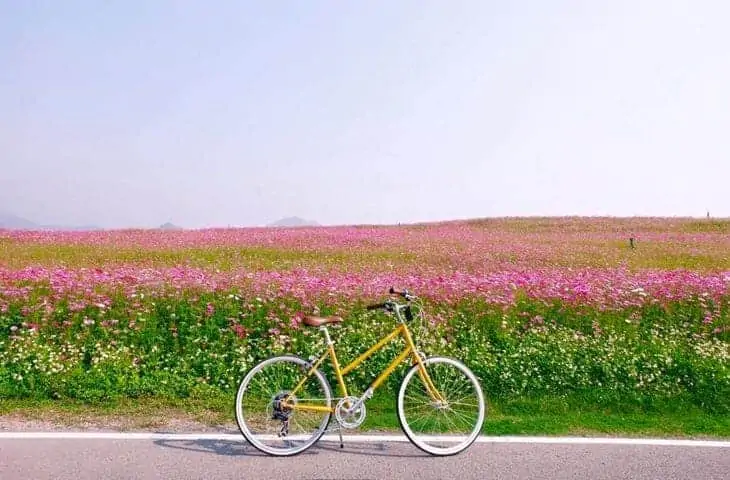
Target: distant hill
[(169, 226), (293, 222), (14, 222), (10, 221)]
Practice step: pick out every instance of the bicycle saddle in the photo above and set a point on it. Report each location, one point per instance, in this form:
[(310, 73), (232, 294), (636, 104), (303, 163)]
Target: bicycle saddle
[(314, 321)]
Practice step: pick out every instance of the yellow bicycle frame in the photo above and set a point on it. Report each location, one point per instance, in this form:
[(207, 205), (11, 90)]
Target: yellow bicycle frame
[(340, 373)]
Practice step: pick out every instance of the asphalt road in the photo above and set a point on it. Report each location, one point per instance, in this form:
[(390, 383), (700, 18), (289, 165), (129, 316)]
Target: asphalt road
[(175, 458)]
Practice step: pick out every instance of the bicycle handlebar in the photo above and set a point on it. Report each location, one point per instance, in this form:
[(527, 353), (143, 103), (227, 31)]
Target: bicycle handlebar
[(403, 293), (392, 306)]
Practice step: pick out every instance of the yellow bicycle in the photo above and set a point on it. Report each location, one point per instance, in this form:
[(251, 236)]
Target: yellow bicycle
[(284, 404)]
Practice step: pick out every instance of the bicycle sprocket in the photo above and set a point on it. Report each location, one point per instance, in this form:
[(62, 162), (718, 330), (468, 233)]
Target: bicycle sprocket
[(349, 419)]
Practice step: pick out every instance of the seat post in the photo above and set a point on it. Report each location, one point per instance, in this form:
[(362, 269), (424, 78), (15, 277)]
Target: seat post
[(326, 335)]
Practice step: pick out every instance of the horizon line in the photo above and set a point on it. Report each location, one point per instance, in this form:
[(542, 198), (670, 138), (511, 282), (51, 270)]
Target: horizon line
[(272, 226)]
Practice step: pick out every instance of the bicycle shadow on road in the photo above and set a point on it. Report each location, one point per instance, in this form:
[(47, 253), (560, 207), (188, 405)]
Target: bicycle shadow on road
[(376, 449), (226, 448), (231, 448)]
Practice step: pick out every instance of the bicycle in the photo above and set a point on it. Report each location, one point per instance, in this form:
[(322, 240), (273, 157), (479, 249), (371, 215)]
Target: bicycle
[(289, 403)]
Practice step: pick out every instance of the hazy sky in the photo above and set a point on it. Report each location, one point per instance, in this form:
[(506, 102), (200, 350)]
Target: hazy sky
[(134, 113)]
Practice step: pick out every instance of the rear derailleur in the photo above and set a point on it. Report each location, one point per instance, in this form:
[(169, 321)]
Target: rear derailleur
[(281, 413)]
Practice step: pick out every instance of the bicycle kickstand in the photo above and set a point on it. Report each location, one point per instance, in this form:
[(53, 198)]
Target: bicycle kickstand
[(339, 430)]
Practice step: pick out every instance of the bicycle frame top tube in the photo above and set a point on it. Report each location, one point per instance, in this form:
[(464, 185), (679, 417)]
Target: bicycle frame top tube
[(401, 329), (340, 373), (410, 349)]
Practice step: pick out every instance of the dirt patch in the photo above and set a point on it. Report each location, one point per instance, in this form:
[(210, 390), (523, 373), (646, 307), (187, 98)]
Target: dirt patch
[(65, 422)]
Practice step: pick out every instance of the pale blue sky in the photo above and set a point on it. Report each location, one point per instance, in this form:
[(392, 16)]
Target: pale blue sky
[(132, 113)]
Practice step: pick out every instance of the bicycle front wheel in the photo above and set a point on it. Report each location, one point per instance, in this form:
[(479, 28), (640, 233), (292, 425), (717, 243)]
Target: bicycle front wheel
[(441, 410), (264, 411)]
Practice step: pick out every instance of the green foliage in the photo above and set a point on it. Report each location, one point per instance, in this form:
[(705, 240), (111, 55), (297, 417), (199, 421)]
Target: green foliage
[(642, 359)]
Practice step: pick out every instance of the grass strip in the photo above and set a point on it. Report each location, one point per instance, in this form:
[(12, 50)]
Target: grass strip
[(517, 417)]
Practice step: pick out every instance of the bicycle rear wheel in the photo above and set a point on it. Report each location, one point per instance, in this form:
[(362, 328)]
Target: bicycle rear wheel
[(271, 427), (446, 422)]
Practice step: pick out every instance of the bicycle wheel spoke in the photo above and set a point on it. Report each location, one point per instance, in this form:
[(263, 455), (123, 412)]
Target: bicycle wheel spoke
[(270, 425), (441, 427)]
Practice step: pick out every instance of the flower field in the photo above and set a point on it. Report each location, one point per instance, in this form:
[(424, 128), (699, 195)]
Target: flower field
[(536, 307)]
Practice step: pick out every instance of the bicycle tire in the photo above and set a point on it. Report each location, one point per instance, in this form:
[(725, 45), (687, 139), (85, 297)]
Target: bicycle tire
[(239, 413), (481, 404)]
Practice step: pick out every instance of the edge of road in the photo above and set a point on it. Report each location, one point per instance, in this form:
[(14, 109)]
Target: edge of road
[(357, 438)]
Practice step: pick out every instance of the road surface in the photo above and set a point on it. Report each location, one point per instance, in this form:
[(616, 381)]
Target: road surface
[(222, 457)]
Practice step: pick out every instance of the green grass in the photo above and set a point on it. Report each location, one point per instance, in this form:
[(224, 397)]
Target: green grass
[(517, 417), (577, 416), (224, 258)]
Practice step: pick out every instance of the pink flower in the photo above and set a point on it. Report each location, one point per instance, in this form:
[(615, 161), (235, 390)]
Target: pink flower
[(296, 320), (239, 330)]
